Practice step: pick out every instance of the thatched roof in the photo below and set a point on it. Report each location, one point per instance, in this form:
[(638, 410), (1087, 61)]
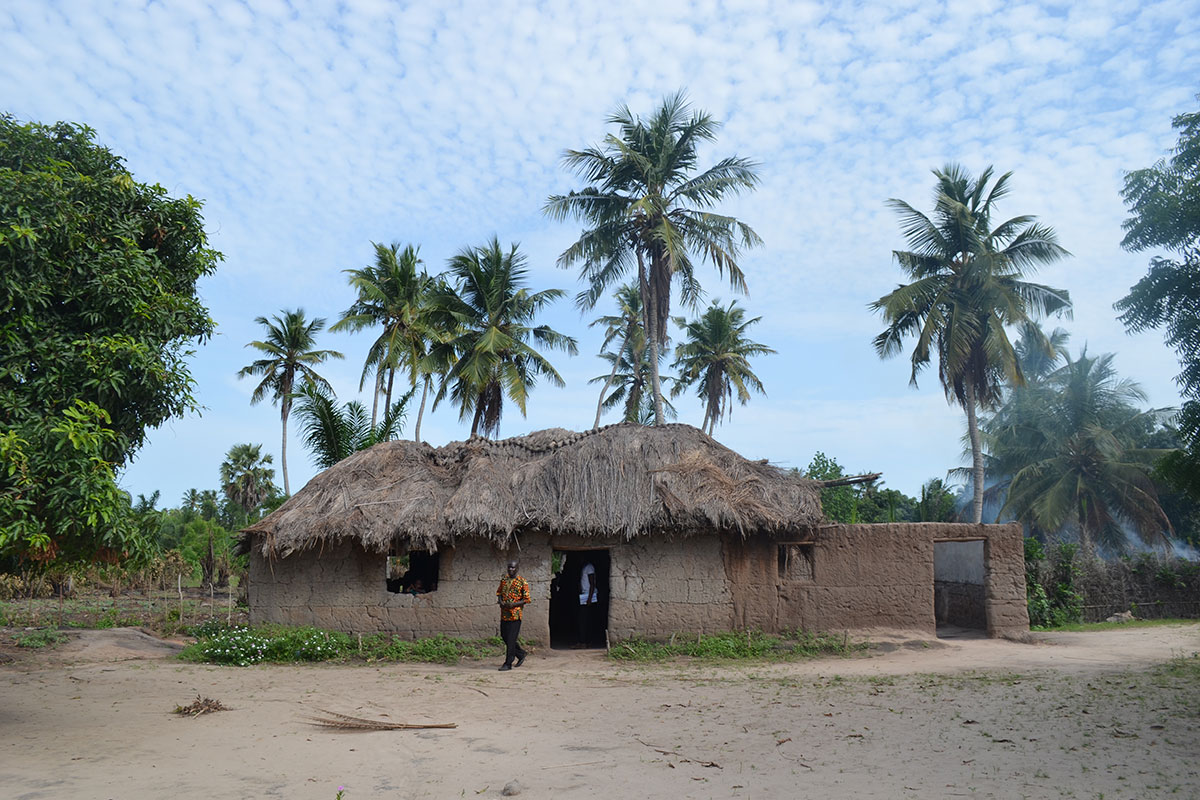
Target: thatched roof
[(623, 480)]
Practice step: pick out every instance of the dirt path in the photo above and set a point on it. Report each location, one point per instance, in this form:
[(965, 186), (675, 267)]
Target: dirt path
[(1070, 715)]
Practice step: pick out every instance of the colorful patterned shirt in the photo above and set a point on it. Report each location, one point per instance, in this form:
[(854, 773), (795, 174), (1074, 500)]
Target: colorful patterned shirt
[(512, 590)]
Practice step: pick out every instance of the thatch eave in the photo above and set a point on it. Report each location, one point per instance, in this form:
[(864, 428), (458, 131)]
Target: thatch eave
[(621, 481)]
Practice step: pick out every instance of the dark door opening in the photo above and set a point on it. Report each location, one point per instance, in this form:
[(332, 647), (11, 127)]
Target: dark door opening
[(573, 623), (958, 588)]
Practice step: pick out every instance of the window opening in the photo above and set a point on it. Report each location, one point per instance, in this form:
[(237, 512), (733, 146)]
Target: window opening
[(796, 561), (414, 572)]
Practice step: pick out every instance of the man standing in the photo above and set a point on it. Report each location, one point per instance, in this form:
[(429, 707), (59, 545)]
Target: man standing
[(512, 596), (587, 598)]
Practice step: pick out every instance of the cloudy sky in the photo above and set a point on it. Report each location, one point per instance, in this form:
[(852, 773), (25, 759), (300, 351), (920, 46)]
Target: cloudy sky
[(312, 129)]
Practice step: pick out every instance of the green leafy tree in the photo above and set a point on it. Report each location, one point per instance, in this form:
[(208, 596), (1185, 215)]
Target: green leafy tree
[(715, 357), (838, 502), (394, 295), (489, 355), (332, 433), (98, 280), (1164, 203), (246, 478), (647, 209), (1068, 456), (289, 354), (937, 502), (967, 287)]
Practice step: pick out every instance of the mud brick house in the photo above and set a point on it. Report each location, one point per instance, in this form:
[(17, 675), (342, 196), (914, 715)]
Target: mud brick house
[(685, 536)]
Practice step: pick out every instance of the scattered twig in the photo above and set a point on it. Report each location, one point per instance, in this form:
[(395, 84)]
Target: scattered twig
[(202, 705), (579, 764)]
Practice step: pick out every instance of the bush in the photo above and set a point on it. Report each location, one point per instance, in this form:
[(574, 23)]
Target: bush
[(236, 646), (40, 639)]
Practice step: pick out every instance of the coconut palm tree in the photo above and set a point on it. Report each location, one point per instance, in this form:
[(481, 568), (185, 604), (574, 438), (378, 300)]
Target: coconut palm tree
[(392, 293), (629, 326), (967, 287), (1070, 445), (715, 357), (646, 209), (332, 433), (246, 478), (489, 355), (628, 382), (289, 354)]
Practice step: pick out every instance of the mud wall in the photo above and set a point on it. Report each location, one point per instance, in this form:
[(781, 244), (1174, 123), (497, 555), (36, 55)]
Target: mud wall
[(835, 578), (868, 577), (344, 588)]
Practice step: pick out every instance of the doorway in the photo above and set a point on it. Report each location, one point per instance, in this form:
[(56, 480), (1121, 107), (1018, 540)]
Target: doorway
[(959, 603), (571, 623)]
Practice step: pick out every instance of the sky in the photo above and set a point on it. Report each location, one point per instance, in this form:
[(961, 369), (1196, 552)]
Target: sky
[(311, 130)]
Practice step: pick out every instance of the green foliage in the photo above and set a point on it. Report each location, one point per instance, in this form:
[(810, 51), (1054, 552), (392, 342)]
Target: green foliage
[(1058, 570), (38, 639), (647, 211), (863, 502), (967, 284), (433, 649), (1066, 452), (289, 354), (1164, 203), (239, 646), (715, 357), (489, 354), (331, 433), (246, 480), (98, 282), (735, 646)]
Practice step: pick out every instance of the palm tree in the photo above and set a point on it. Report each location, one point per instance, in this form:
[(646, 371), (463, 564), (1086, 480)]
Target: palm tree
[(333, 433), (646, 208), (629, 326), (715, 357), (392, 293), (967, 286), (289, 350), (488, 355), (1070, 447), (628, 382), (246, 480)]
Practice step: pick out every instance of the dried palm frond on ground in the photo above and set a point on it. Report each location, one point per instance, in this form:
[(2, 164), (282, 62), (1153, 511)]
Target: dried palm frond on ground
[(332, 719), (202, 705)]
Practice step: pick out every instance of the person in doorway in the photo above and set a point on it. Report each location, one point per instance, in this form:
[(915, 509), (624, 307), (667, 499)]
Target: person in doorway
[(588, 597), (512, 596)]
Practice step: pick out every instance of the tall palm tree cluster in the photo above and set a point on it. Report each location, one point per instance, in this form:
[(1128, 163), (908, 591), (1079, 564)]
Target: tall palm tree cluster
[(470, 335), (1058, 439)]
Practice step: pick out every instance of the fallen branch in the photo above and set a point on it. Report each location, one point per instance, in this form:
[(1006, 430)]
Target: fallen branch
[(200, 706), (332, 719)]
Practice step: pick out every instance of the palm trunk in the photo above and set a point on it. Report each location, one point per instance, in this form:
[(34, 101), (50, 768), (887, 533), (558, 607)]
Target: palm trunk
[(421, 411), (976, 456), (607, 383), (286, 406), (650, 304), (391, 379), (375, 400)]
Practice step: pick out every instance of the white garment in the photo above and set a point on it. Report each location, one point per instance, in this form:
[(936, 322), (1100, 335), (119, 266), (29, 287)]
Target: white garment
[(584, 586)]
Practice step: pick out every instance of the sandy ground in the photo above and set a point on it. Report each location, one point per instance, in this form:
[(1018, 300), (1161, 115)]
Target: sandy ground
[(1090, 715)]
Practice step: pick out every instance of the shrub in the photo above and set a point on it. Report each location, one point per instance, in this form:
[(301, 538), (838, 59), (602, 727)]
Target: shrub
[(40, 639)]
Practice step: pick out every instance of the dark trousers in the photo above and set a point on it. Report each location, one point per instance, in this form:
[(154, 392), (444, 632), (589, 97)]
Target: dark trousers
[(510, 629), (585, 614)]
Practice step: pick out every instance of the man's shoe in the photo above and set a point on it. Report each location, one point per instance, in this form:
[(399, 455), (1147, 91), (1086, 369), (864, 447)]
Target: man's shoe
[(505, 667), (520, 660)]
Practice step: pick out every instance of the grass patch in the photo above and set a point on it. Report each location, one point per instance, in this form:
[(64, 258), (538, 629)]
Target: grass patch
[(736, 646), (38, 639), (240, 646), (1083, 627)]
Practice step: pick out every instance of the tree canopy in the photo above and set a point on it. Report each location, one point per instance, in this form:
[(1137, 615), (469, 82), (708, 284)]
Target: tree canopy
[(1164, 203), (98, 278)]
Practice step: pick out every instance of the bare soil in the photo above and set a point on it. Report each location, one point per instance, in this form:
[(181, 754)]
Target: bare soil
[(1112, 714)]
